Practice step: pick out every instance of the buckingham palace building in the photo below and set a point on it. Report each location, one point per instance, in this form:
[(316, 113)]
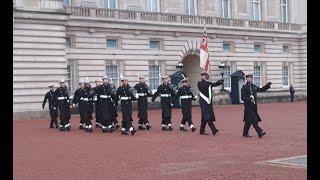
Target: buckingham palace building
[(75, 39)]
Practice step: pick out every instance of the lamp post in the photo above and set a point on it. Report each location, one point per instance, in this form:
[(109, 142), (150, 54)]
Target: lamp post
[(221, 68)]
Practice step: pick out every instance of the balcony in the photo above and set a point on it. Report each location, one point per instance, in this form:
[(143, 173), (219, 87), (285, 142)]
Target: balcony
[(139, 16)]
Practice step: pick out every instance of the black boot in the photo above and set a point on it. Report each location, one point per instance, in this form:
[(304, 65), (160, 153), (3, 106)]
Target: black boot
[(140, 127), (183, 129), (62, 128), (262, 134), (124, 132), (193, 129), (214, 132), (247, 136), (89, 128), (51, 124), (133, 131), (117, 126), (148, 126), (170, 128)]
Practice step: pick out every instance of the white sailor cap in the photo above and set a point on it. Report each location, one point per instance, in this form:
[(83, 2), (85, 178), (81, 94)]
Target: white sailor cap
[(124, 79), (185, 80), (81, 81), (249, 75), (62, 81), (51, 85), (165, 77), (105, 77), (141, 76)]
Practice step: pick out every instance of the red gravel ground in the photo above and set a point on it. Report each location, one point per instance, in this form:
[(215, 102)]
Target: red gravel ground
[(43, 153)]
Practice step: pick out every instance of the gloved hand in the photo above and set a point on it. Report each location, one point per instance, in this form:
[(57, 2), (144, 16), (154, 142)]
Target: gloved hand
[(152, 100), (73, 105), (171, 104), (42, 106), (269, 83), (251, 97)]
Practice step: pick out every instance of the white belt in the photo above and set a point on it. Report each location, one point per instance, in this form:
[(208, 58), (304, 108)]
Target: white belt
[(125, 98), (165, 95), (141, 94), (84, 99), (105, 96), (95, 98), (185, 97), (62, 98)]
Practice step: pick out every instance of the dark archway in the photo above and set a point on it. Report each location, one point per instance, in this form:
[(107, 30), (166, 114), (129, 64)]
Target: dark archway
[(191, 67)]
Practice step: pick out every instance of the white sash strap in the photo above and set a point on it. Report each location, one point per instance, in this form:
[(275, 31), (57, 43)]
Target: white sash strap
[(105, 96), (84, 99), (208, 100), (141, 94), (62, 98), (165, 95), (185, 97), (125, 98)]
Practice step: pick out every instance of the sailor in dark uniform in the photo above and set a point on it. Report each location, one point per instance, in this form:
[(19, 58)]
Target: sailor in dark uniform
[(104, 97), (63, 106), (95, 101), (185, 96), (249, 97), (114, 106), (124, 94), (53, 106), (205, 100), (143, 92), (76, 100), (166, 93)]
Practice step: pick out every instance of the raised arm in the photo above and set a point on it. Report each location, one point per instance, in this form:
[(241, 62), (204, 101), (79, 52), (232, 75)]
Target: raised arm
[(218, 83), (45, 100), (155, 94), (264, 88)]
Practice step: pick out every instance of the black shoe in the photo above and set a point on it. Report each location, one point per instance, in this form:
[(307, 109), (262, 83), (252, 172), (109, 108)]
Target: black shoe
[(148, 127), (193, 129), (88, 130), (183, 129), (124, 132), (164, 128), (215, 132), (204, 133), (62, 129), (117, 126), (68, 128), (133, 131), (81, 127), (141, 128), (247, 136), (262, 134), (170, 128), (105, 129)]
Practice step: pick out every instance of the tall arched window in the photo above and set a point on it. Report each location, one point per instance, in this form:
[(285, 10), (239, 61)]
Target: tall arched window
[(284, 10), (225, 8), (255, 10)]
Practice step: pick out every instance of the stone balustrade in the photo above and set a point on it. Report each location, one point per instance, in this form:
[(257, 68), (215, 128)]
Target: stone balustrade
[(177, 18)]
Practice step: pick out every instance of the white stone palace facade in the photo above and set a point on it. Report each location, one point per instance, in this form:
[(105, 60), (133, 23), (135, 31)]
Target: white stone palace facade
[(74, 39)]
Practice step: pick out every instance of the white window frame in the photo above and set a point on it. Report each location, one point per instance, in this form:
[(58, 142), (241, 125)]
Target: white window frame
[(188, 10), (117, 39), (282, 5), (288, 49), (156, 76), (259, 76), (253, 15), (116, 78), (160, 44), (230, 45), (70, 77), (107, 5), (288, 76), (261, 47), (229, 9), (229, 77), (150, 5)]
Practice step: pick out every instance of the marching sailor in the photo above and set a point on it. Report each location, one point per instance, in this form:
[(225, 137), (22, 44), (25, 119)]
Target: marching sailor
[(53, 106), (185, 96), (249, 97), (205, 100), (104, 97), (76, 100), (98, 82), (124, 93), (143, 92), (166, 93), (114, 106), (63, 106)]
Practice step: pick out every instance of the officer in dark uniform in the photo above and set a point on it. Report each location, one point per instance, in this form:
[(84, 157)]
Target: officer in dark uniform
[(185, 96), (53, 106), (95, 102), (292, 91), (104, 97), (166, 93), (114, 106), (76, 99), (63, 106), (143, 92), (124, 94), (205, 100), (90, 102), (249, 97)]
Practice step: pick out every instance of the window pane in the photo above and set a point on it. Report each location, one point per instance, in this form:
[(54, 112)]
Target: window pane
[(154, 78), (190, 7), (66, 2), (68, 42), (155, 44), (112, 43), (112, 72), (226, 77), (257, 48), (69, 77), (152, 5), (225, 8), (226, 47), (286, 49), (257, 75)]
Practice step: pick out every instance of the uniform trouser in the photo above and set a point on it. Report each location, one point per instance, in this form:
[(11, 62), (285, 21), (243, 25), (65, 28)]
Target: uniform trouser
[(53, 115), (84, 109), (186, 115), (211, 125), (64, 113), (105, 117), (90, 110), (247, 127), (166, 120), (291, 97), (126, 114), (98, 115), (54, 121), (166, 113), (114, 113), (143, 121)]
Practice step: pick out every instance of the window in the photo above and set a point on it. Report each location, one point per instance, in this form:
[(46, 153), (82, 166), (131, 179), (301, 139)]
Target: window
[(258, 48), (69, 79), (226, 47), (225, 7), (112, 43), (285, 49), (190, 9), (110, 4), (257, 75), (284, 11), (66, 2), (255, 9), (226, 77), (112, 72), (154, 44), (68, 42), (152, 5), (285, 76), (154, 78)]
